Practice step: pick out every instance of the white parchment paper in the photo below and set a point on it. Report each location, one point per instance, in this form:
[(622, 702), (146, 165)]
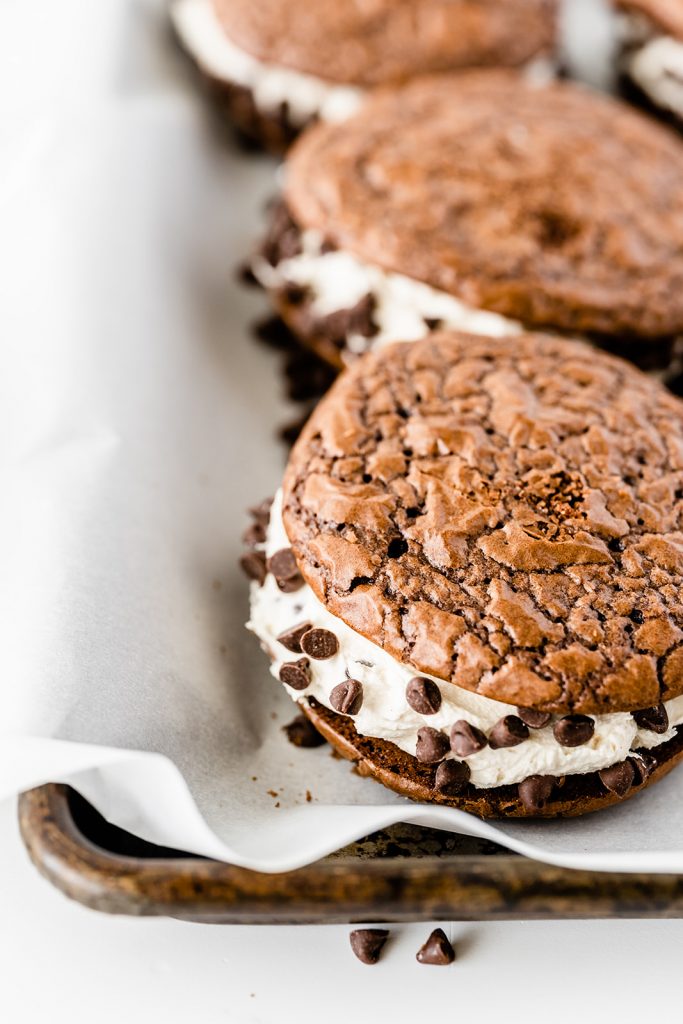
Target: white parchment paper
[(136, 424)]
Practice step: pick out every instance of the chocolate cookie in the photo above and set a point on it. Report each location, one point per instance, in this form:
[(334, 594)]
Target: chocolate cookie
[(278, 68), (650, 57), (471, 579), (482, 202)]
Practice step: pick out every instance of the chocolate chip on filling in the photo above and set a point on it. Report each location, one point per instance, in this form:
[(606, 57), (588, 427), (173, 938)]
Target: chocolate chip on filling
[(423, 696), (466, 739), (534, 719), (296, 674), (451, 777), (618, 778), (654, 719), (291, 638), (573, 730), (347, 697), (319, 644), (253, 565), (508, 732), (432, 745), (285, 570)]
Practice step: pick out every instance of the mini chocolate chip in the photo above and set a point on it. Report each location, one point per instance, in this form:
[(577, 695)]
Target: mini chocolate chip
[(573, 730), (367, 943), (451, 777), (302, 733), (644, 765), (291, 638), (618, 778), (319, 644), (508, 732), (437, 950), (253, 565), (654, 719), (432, 745), (254, 534), (423, 696), (535, 791), (296, 674), (533, 718), (347, 697), (283, 565), (466, 739)]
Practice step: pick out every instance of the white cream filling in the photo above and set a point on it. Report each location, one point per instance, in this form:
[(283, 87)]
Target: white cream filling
[(654, 62), (385, 713), (271, 85), (338, 280)]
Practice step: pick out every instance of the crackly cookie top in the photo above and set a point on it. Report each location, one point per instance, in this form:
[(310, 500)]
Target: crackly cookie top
[(666, 14), (380, 41), (504, 516), (551, 205)]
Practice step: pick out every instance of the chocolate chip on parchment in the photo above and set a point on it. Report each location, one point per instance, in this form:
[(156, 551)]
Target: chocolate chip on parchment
[(319, 644), (347, 697), (573, 730), (296, 674), (367, 943), (451, 777), (302, 733), (654, 719), (291, 638), (535, 791), (253, 565), (534, 719), (432, 745), (423, 696), (618, 778), (466, 739), (437, 950), (508, 732)]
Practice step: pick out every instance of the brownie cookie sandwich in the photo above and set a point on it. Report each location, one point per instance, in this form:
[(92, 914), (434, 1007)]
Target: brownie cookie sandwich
[(651, 55), (278, 64), (485, 203), (471, 579)]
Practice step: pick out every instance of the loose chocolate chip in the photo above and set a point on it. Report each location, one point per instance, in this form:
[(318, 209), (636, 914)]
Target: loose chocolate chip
[(302, 733), (367, 943), (296, 674), (253, 565), (431, 746), (573, 730), (618, 778), (654, 719), (508, 732), (254, 534), (535, 791), (347, 697), (319, 644), (423, 696), (291, 638), (644, 765), (534, 719), (283, 565), (451, 777), (466, 739), (437, 950)]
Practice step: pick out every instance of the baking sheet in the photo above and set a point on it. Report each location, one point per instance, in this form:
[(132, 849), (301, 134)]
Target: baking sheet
[(138, 422)]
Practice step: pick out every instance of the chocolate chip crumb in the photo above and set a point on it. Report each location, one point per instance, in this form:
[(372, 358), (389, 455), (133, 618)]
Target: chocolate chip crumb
[(535, 791), (296, 674), (534, 719), (253, 565), (319, 644), (347, 697), (451, 777), (423, 696), (508, 732), (466, 739), (618, 778), (573, 730), (301, 733), (367, 943), (437, 950), (291, 638), (432, 745), (654, 719)]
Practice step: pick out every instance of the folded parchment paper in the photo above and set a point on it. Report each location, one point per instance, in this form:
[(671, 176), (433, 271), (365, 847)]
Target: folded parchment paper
[(137, 423)]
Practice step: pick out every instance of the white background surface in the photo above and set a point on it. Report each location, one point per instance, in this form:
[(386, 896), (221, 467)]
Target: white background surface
[(62, 963)]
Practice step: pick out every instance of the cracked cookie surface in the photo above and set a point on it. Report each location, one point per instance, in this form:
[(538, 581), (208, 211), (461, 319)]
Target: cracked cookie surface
[(506, 517), (552, 206)]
